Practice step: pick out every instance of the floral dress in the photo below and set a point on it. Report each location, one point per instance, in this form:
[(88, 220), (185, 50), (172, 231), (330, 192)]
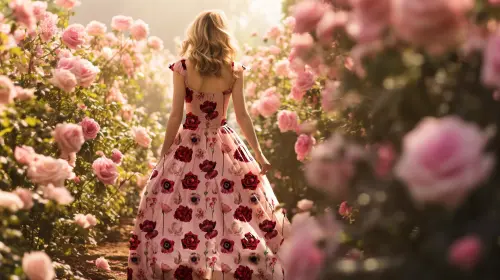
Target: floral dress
[(206, 213)]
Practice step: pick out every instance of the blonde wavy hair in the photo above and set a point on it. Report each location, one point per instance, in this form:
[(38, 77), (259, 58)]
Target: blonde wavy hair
[(208, 43)]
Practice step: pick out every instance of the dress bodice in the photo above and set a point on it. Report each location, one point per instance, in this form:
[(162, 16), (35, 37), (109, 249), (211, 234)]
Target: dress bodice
[(203, 109)]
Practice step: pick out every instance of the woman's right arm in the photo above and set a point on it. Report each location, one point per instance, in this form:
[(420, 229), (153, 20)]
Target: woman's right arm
[(176, 113), (246, 124)]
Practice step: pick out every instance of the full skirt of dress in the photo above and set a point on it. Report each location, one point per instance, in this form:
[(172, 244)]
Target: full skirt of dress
[(207, 213)]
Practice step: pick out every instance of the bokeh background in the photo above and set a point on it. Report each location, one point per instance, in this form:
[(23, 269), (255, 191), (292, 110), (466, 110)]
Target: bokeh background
[(169, 19)]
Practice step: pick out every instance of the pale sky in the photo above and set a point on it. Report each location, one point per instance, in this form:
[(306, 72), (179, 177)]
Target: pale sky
[(168, 19)]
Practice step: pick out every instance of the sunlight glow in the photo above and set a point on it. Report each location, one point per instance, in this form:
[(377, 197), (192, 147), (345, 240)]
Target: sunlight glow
[(270, 9)]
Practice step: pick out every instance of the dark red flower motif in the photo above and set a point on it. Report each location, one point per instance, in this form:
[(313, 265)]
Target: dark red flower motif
[(183, 154), (183, 213), (183, 273), (267, 226), (192, 121), (240, 155), (212, 174), (207, 165), (190, 241), (243, 213), (208, 107), (167, 186), (271, 235), (189, 95), (211, 116), (212, 234), (134, 242), (226, 246), (223, 122), (154, 174), (249, 242), (250, 181), (227, 186), (190, 181), (207, 226), (243, 273), (167, 246), (130, 273), (149, 227)]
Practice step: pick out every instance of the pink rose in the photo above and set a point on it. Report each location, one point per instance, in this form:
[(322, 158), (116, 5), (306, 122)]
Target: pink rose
[(305, 204), (250, 89), (91, 219), (269, 102), (274, 32), (254, 109), (155, 43), (19, 35), (105, 170), (64, 80), (370, 18), (344, 209), (287, 121), (465, 252), (307, 14), (38, 266), (116, 156), (329, 23), (96, 28), (90, 128), (24, 94), (67, 4), (74, 36), (61, 195), (289, 22), (385, 160), (121, 23), (305, 80), (127, 112), (10, 201), (47, 170), (490, 73), (63, 53), (81, 221), (494, 2), (24, 14), (69, 137), (7, 90), (329, 95), (39, 9), (85, 72), (24, 154), (303, 146), (141, 136), (443, 160), (139, 30), (332, 166), (301, 44), (110, 39), (433, 24), (102, 263), (281, 68), (302, 259), (26, 197)]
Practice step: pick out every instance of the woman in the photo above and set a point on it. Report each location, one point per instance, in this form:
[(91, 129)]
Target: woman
[(208, 211)]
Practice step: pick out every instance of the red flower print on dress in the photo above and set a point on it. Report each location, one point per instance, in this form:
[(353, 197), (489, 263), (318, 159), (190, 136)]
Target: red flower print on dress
[(183, 154), (154, 174), (149, 227), (243, 213), (239, 155), (209, 227), (134, 242), (167, 246), (226, 246), (208, 107), (212, 174), (227, 186), (183, 273), (190, 241), (183, 213), (250, 181), (243, 273), (250, 242), (192, 121), (189, 95), (167, 186), (268, 227), (190, 181), (207, 165), (130, 273)]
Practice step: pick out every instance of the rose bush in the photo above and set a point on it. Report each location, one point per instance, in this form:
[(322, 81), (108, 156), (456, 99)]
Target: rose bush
[(76, 133)]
